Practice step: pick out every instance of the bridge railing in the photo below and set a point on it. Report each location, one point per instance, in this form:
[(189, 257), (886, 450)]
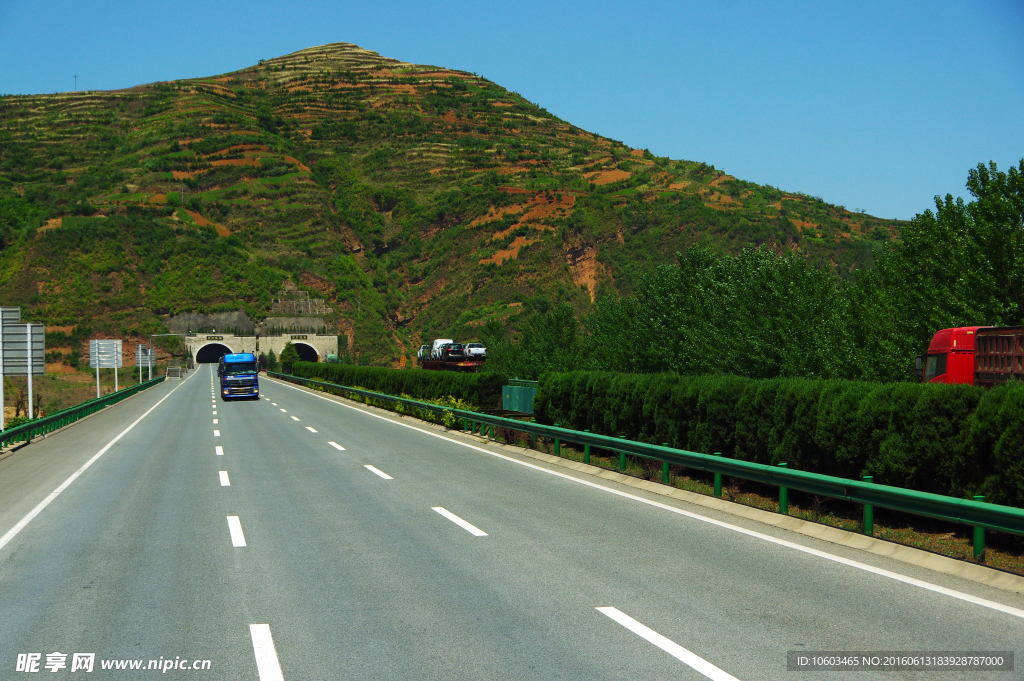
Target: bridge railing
[(48, 424), (973, 512)]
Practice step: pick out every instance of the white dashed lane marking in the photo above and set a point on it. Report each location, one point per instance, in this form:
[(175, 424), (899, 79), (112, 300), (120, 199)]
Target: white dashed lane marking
[(336, 446), (671, 647), (267, 664), (235, 528), (312, 430), (224, 482), (377, 471), (468, 527)]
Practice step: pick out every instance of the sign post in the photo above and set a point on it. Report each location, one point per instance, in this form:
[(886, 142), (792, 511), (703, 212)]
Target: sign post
[(105, 354), (141, 358), (23, 354)]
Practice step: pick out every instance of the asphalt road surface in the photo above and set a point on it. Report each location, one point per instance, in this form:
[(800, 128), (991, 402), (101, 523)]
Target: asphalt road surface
[(299, 538)]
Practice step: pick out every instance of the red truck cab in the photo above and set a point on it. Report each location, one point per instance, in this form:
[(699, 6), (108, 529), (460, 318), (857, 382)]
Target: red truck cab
[(976, 355)]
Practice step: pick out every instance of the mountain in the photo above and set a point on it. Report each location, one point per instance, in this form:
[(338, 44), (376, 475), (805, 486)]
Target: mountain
[(418, 201)]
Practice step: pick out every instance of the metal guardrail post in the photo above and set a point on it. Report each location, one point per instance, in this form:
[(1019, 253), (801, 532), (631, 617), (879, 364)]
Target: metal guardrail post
[(586, 451), (622, 456), (558, 442), (664, 468), (783, 494), (869, 512), (979, 537), (718, 480)]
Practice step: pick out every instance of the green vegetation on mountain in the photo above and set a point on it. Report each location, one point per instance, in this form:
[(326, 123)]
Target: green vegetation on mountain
[(419, 201), (757, 315)]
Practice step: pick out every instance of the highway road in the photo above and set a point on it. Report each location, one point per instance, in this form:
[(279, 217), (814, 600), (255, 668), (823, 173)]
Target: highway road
[(301, 538)]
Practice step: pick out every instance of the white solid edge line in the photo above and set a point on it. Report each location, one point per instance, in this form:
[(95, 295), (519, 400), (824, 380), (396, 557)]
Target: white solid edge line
[(219, 450), (20, 525), (881, 572), (266, 655), (216, 433), (224, 481), (309, 428), (671, 647), (377, 471), (336, 446), (235, 529), (468, 527)]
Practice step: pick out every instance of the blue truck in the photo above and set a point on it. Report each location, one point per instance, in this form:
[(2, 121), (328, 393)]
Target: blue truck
[(239, 376)]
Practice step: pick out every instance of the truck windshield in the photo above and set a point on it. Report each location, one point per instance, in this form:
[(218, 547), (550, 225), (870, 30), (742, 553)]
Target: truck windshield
[(234, 368), (935, 366)]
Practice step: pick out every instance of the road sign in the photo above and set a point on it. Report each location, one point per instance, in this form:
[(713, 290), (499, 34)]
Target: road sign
[(22, 353), (105, 354), (16, 356), (10, 315)]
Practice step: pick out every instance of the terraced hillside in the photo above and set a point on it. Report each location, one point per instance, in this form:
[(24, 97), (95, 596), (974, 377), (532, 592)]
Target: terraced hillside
[(417, 200)]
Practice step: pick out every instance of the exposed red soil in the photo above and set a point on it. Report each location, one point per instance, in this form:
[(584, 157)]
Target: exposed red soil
[(511, 253), (52, 223), (297, 163), (158, 199), (719, 180), (585, 268), (600, 177), (184, 174), (639, 153), (203, 222), (679, 185), (803, 224), (496, 214), (239, 147), (512, 170), (247, 161)]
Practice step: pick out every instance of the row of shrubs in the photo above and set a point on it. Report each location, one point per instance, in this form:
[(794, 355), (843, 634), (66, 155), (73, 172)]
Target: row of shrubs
[(956, 440), (481, 390)]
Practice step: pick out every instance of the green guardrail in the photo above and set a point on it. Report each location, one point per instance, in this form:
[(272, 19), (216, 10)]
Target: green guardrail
[(48, 424), (972, 512)]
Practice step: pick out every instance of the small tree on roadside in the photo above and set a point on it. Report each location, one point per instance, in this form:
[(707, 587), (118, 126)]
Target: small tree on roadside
[(272, 363), (263, 361), (289, 356)]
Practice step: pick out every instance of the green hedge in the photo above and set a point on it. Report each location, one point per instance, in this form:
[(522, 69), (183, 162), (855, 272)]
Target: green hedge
[(958, 440), (481, 390)]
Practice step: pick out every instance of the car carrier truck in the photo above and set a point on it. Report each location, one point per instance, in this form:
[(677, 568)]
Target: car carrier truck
[(239, 376), (977, 355)]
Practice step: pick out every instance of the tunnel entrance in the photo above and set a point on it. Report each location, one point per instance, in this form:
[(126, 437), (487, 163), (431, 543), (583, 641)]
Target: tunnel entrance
[(306, 352), (211, 354)]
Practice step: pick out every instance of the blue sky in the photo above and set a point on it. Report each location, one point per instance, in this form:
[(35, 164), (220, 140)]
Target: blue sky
[(873, 105)]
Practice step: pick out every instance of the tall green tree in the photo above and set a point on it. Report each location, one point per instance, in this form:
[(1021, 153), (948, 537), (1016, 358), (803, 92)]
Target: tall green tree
[(962, 265), (755, 314), (289, 356)]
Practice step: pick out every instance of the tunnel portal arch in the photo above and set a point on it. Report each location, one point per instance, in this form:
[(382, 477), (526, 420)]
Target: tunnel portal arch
[(307, 353), (211, 353)]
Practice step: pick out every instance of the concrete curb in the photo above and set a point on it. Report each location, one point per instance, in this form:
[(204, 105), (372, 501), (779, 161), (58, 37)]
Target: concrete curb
[(999, 579)]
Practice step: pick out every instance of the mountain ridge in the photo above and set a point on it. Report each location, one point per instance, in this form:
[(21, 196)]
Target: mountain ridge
[(417, 200)]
